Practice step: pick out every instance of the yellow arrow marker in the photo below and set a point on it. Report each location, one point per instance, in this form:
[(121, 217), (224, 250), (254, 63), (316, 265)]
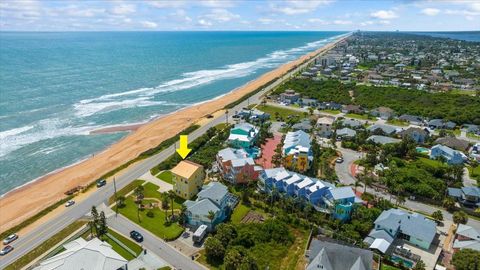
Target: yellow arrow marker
[(183, 150)]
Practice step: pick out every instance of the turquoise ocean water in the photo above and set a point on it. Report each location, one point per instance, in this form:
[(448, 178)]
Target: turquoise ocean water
[(57, 87)]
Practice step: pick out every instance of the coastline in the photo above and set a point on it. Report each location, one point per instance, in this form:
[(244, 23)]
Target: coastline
[(50, 188)]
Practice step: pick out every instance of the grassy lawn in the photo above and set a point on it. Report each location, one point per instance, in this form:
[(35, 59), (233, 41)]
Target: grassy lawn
[(155, 224), (239, 212), (151, 191), (124, 191), (166, 176), (282, 112), (331, 111), (462, 92), (359, 116), (397, 122), (431, 162), (39, 250), (473, 136), (475, 173), (127, 242)]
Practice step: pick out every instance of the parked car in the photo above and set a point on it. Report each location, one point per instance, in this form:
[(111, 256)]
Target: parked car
[(136, 236), (339, 160), (5, 250), (69, 203), (209, 116), (101, 182), (10, 238)]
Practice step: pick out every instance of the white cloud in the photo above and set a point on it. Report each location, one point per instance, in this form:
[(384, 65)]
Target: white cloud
[(366, 23), (148, 24), (384, 14), (203, 22), (180, 15), (221, 15), (293, 7), (430, 11), (266, 20), (316, 21), (123, 9), (216, 3), (166, 3), (342, 22)]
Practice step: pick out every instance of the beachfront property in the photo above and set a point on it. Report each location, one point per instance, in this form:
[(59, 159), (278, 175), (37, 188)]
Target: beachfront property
[(322, 195), (187, 178), (82, 254), (253, 114), (324, 126), (466, 237), (236, 166), (468, 196), (297, 151), (448, 154), (212, 206), (419, 135), (413, 228), (325, 255), (244, 135)]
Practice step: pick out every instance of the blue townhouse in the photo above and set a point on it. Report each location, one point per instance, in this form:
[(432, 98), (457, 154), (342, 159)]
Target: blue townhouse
[(323, 196), (450, 155)]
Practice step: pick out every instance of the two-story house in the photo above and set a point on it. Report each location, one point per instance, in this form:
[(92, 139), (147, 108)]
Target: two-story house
[(236, 166), (297, 151), (187, 178)]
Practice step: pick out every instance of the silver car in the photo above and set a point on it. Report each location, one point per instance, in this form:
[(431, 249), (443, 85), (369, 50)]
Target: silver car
[(10, 239)]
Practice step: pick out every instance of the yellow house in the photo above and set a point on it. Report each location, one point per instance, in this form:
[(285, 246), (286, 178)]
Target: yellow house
[(187, 179)]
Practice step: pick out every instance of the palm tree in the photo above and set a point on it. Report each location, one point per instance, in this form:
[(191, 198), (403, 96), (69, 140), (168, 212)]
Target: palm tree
[(171, 196), (211, 217), (165, 206), (93, 223), (311, 110), (139, 192), (448, 203)]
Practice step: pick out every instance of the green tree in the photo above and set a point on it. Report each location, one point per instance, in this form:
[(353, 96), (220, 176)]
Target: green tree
[(165, 206), (93, 223), (233, 258), (437, 215), (226, 233), (211, 216), (139, 192), (121, 201), (460, 217), (102, 225), (420, 265), (466, 259), (449, 203), (214, 249), (171, 195)]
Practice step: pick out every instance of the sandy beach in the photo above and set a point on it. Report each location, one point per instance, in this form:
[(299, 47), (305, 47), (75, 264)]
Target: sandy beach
[(18, 205)]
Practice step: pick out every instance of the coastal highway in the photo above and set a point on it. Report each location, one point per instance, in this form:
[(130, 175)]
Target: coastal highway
[(38, 235)]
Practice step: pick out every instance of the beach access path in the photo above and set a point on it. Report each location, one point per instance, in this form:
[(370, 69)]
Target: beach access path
[(44, 231)]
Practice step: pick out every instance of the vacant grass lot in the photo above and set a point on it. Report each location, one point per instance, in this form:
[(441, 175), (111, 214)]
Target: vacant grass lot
[(432, 162), (124, 191), (359, 116), (156, 224), (239, 212), (283, 113)]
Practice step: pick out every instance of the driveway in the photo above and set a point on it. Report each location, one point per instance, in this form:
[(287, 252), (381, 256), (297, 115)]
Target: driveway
[(154, 244), (467, 180), (163, 186)]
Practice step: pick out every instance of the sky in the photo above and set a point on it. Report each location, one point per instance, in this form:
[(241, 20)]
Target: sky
[(215, 15)]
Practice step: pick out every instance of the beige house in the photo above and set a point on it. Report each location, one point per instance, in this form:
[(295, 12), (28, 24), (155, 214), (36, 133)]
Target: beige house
[(325, 126), (187, 179)]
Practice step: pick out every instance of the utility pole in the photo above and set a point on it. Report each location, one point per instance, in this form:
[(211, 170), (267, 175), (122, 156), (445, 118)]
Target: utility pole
[(115, 194)]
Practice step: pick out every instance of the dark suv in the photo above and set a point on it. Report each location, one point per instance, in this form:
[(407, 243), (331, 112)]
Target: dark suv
[(136, 236), (101, 182)]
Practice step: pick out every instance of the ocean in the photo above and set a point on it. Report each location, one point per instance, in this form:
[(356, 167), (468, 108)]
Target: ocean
[(58, 87), (467, 36)]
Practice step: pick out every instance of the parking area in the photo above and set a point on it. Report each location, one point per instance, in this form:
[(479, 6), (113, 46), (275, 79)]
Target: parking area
[(430, 256), (185, 243)]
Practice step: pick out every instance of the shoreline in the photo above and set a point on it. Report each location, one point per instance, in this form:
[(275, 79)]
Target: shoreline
[(50, 188)]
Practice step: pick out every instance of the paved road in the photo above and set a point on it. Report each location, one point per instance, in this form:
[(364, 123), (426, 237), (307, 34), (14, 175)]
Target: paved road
[(345, 177), (154, 244), (45, 231)]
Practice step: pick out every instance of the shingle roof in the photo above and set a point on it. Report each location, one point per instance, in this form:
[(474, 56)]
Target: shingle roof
[(382, 139), (342, 193), (385, 128), (203, 207), (412, 224), (346, 132), (335, 256), (454, 143)]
